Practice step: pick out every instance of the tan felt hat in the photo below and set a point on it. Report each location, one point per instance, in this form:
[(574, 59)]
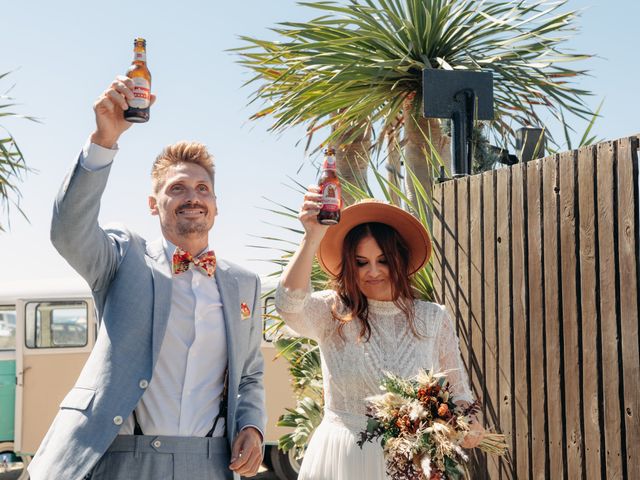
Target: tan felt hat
[(370, 210)]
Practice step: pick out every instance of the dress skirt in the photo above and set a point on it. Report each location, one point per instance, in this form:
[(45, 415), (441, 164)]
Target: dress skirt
[(333, 452)]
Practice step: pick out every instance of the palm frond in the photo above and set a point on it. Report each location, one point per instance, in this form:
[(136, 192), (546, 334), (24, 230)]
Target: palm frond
[(13, 167), (362, 57)]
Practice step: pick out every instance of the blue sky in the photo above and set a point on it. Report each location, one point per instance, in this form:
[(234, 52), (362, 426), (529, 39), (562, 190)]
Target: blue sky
[(66, 53)]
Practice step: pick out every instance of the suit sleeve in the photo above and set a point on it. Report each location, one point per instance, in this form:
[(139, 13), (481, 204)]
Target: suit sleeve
[(251, 409), (75, 233)]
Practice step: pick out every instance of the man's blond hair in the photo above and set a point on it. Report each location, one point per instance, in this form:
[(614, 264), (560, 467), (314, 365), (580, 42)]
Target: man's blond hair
[(181, 152)]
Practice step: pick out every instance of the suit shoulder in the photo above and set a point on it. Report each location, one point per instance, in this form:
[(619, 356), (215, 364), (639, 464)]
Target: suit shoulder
[(122, 234), (120, 229), (239, 271)]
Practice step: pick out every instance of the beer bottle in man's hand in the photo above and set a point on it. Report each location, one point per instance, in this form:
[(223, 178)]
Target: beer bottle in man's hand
[(139, 106), (330, 190)]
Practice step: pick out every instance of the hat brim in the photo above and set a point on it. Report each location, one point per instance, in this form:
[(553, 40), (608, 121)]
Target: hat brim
[(410, 229)]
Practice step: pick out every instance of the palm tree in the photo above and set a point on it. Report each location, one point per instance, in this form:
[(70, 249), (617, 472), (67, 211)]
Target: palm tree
[(12, 164), (360, 64)]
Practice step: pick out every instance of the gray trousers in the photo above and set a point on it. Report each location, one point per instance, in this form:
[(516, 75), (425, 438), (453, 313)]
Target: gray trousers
[(142, 457)]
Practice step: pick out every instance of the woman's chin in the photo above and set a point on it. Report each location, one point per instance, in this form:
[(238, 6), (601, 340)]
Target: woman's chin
[(380, 296)]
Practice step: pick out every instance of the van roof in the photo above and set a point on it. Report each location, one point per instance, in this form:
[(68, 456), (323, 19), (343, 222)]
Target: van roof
[(43, 287), (68, 287)]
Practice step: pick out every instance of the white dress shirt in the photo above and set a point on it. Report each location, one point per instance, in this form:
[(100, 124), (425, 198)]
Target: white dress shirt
[(183, 397)]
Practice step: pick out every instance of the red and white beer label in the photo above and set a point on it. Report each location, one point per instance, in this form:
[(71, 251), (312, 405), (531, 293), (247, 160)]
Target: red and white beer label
[(330, 197), (141, 93)]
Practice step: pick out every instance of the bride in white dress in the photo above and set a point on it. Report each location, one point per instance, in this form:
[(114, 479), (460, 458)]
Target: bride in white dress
[(368, 324)]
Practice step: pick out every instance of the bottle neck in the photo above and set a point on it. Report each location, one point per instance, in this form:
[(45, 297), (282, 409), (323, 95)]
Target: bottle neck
[(139, 55), (329, 163)]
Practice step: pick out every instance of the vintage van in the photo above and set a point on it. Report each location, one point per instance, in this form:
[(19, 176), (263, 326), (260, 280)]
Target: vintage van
[(47, 330)]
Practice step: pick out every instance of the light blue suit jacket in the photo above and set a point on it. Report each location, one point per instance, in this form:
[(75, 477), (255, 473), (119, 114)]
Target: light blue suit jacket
[(131, 284)]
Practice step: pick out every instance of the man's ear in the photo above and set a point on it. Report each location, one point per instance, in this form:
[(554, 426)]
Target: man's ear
[(153, 205)]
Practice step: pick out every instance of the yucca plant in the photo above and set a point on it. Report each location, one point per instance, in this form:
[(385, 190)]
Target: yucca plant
[(587, 138), (306, 375), (359, 65), (12, 163)]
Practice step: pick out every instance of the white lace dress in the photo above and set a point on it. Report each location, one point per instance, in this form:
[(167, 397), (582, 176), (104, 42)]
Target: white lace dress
[(352, 371)]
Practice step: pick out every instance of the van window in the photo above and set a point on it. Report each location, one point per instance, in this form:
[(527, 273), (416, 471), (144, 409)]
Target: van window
[(56, 324), (7, 327)]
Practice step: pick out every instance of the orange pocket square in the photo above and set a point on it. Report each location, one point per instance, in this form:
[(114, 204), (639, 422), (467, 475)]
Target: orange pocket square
[(244, 311)]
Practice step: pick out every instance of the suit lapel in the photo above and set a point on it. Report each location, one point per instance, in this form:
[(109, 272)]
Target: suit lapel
[(161, 272), (228, 287)]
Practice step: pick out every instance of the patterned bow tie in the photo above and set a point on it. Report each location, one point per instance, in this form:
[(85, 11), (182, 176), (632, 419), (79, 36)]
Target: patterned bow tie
[(182, 260)]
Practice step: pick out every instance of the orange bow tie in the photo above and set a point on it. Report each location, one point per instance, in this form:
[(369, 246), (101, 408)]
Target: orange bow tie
[(182, 260)]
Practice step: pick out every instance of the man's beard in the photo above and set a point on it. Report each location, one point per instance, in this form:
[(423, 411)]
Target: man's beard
[(185, 229)]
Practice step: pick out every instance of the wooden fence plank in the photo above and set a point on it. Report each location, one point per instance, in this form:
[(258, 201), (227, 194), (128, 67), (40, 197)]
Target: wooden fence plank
[(491, 403), (503, 252), (555, 368), (476, 314), (629, 293), (519, 311), (437, 237), (590, 314), (463, 259), (536, 318), (571, 329), (609, 333), (449, 243)]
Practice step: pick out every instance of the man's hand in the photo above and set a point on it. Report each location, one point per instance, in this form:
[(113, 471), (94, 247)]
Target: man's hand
[(246, 453), (109, 110)]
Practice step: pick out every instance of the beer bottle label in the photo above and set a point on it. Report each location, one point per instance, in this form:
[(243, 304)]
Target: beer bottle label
[(141, 93), (331, 197)]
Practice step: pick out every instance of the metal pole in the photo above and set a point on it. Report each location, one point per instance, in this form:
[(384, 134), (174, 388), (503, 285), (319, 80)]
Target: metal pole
[(458, 143)]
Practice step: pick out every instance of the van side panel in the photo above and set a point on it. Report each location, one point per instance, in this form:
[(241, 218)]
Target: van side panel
[(7, 399)]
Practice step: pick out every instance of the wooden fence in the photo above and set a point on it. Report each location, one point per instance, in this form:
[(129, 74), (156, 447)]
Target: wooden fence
[(540, 264)]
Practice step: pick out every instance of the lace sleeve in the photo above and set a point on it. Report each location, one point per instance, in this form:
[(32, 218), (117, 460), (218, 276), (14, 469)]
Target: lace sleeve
[(450, 360), (304, 312)]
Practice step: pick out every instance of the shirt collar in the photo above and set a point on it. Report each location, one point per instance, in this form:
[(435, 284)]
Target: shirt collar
[(170, 248)]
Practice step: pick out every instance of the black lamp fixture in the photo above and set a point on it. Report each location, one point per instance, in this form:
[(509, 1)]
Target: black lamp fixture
[(530, 143), (462, 96)]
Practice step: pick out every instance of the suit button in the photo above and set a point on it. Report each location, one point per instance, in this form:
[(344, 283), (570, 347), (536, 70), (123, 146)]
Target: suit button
[(157, 444), (143, 384), (117, 420)]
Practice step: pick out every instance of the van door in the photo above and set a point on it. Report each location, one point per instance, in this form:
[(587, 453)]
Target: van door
[(7, 374), (54, 338)]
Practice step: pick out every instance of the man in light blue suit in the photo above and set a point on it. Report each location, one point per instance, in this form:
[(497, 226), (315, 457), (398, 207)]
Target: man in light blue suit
[(173, 388)]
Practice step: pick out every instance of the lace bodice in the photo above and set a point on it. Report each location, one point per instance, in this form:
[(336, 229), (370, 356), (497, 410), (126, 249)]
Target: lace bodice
[(352, 369)]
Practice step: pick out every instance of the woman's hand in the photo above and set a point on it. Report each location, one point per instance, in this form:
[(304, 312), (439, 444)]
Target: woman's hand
[(475, 435), (308, 216), (296, 275)]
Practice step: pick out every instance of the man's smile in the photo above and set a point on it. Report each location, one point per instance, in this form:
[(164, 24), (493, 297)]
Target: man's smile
[(191, 211)]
